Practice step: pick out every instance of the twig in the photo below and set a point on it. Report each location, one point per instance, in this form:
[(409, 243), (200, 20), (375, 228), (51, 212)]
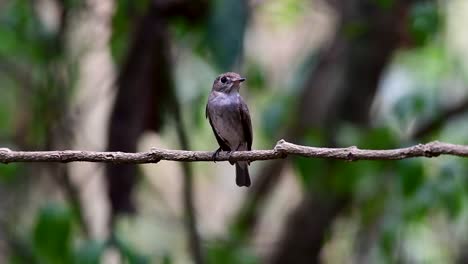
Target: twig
[(281, 150)]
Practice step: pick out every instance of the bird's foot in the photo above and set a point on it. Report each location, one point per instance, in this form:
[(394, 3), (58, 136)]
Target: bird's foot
[(229, 159), (215, 154)]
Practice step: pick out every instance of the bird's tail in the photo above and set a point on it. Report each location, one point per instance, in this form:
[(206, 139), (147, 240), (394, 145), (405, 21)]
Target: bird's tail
[(242, 174)]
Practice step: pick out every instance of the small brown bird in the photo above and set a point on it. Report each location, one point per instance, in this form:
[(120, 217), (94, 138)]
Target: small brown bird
[(230, 120)]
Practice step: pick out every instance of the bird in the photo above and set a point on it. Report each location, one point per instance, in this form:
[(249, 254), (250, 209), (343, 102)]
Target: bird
[(229, 118)]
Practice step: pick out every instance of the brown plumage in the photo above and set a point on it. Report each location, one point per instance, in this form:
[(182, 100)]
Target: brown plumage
[(230, 120)]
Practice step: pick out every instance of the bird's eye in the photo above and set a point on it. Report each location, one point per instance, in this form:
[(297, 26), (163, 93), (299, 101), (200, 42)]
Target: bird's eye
[(224, 79)]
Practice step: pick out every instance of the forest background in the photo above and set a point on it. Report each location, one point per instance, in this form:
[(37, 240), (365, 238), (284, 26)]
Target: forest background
[(122, 75)]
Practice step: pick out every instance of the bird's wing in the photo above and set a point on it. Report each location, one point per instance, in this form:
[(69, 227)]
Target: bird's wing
[(246, 123), (221, 141)]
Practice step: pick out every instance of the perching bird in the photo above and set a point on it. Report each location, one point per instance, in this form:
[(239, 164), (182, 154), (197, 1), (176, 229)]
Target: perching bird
[(230, 120)]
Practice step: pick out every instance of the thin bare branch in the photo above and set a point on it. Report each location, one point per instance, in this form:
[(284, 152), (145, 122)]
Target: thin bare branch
[(281, 150)]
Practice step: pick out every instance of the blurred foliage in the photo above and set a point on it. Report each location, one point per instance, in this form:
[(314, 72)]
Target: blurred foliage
[(355, 30), (130, 254), (411, 176), (425, 21), (8, 173), (6, 115), (306, 167), (230, 253), (32, 55), (127, 14), (275, 115), (53, 240), (279, 111), (225, 32), (257, 78), (285, 13), (89, 253), (52, 234), (386, 4), (345, 176), (22, 34)]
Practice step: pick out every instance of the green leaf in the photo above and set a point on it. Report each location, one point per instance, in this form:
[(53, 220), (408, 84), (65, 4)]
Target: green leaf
[(52, 234)]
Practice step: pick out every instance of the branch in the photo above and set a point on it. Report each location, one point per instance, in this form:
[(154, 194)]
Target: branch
[(281, 150)]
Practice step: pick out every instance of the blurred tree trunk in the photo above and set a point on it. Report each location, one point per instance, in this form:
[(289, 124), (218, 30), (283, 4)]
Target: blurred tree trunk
[(145, 93), (142, 85)]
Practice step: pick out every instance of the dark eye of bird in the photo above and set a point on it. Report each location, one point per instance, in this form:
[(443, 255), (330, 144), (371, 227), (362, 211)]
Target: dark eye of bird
[(224, 79)]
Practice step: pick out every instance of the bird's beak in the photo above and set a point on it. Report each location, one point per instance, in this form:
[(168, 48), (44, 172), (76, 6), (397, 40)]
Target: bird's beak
[(239, 80)]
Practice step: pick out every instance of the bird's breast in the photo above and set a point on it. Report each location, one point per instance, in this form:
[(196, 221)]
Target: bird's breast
[(225, 117)]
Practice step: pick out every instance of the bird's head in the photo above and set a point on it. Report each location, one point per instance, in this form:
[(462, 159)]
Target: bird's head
[(228, 82)]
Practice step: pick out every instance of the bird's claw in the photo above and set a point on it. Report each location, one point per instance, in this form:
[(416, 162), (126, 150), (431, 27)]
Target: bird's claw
[(229, 158), (215, 154)]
